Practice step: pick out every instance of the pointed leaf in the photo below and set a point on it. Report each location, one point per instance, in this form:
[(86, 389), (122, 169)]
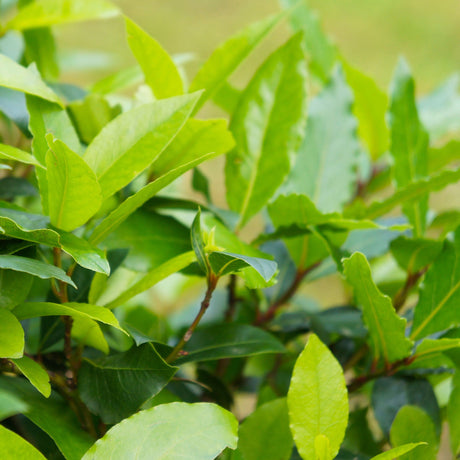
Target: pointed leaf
[(170, 430), (7, 152), (325, 168), (11, 335), (134, 139), (13, 446), (268, 126), (160, 72), (397, 451), (87, 332), (436, 309), (228, 56), (317, 399), (10, 404), (196, 236), (430, 348), (74, 194), (114, 387), (35, 373), (409, 143), (386, 328)]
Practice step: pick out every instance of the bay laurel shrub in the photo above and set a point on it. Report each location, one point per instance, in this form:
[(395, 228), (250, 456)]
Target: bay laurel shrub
[(336, 174)]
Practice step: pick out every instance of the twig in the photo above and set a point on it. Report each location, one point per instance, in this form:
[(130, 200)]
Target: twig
[(401, 296)]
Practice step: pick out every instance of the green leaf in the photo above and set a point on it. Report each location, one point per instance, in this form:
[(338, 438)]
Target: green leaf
[(228, 56), (413, 424), (228, 341), (14, 288), (430, 348), (134, 139), (200, 184), (440, 157), (370, 106), (413, 254), (409, 143), (196, 236), (114, 387), (322, 52), (88, 332), (118, 81), (223, 263), (7, 152), (74, 194), (153, 277), (34, 267), (436, 309), (325, 168), (13, 446), (170, 430), (453, 415), (386, 328), (53, 416), (397, 451), (11, 335), (195, 138), (10, 404), (268, 127), (51, 12), (317, 399), (35, 373), (160, 72), (75, 310), (265, 433), (14, 76)]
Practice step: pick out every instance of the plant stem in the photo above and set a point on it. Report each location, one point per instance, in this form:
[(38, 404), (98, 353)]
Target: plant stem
[(401, 296), (212, 283), (230, 313)]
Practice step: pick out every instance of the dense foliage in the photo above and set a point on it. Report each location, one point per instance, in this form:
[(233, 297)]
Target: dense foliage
[(333, 175)]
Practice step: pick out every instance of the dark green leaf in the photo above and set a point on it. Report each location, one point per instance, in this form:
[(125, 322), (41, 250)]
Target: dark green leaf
[(14, 287), (196, 236)]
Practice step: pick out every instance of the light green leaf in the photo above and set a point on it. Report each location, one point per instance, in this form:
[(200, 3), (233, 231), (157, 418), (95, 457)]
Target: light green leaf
[(75, 310), (14, 76), (170, 430), (13, 446), (114, 387), (322, 52), (440, 157), (88, 332), (34, 267), (160, 72), (386, 328), (74, 194), (409, 143), (118, 81), (195, 138), (413, 424), (50, 12), (265, 433), (430, 348), (317, 400), (134, 139), (322, 448), (154, 276), (268, 127), (11, 335), (53, 416), (453, 415), (370, 106), (228, 56), (10, 404), (35, 373), (325, 168), (7, 152), (436, 309), (397, 451)]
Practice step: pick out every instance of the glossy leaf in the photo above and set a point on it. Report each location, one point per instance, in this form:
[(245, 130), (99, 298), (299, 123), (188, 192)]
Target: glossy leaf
[(413, 425), (74, 194), (228, 341), (436, 308), (11, 335), (317, 400), (133, 140), (397, 451), (13, 446), (170, 429), (268, 127), (409, 143), (35, 373), (160, 72), (10, 404), (7, 152), (51, 12), (14, 76), (386, 328), (327, 159), (228, 56), (196, 236), (88, 332), (265, 433), (53, 416), (34, 267), (114, 387)]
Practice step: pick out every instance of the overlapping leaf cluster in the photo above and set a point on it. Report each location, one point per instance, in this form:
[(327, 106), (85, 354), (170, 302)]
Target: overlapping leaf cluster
[(92, 366)]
